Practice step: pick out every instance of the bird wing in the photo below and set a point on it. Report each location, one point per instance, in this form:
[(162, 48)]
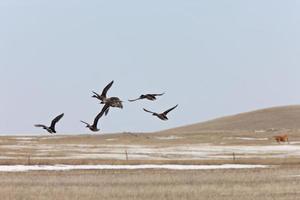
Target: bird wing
[(55, 120), (158, 94), (84, 122), (132, 100), (97, 95), (104, 91), (167, 111), (40, 125), (148, 111), (104, 109)]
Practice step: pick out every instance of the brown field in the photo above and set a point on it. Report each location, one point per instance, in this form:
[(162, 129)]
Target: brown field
[(279, 181), (268, 184), (275, 118), (220, 141), (205, 147)]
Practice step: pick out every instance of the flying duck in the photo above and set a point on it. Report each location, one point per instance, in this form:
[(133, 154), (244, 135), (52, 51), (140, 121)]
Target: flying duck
[(109, 101), (150, 97), (51, 129), (163, 115), (93, 127), (102, 97)]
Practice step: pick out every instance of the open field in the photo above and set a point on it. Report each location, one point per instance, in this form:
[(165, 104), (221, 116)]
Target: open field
[(280, 180), (242, 147), (91, 162), (248, 184)]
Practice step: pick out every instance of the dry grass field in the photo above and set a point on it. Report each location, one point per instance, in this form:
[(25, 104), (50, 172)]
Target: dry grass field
[(220, 141), (264, 119), (280, 183), (203, 147)]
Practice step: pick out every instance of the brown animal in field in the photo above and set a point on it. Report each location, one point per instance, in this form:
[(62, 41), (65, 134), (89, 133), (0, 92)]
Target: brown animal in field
[(282, 138)]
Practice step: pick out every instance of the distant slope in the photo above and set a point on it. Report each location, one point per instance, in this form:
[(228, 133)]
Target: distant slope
[(276, 117)]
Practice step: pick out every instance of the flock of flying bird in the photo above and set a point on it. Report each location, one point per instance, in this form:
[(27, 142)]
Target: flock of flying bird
[(108, 102)]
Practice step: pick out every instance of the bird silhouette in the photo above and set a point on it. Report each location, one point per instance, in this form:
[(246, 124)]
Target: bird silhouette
[(93, 127), (150, 97), (102, 97), (163, 115), (51, 128), (109, 101)]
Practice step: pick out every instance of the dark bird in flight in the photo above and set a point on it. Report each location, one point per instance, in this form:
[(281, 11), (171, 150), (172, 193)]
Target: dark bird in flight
[(93, 127), (150, 97), (51, 129), (163, 115), (108, 101), (102, 97)]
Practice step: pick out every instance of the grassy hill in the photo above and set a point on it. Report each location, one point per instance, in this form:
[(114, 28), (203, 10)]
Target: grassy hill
[(284, 117)]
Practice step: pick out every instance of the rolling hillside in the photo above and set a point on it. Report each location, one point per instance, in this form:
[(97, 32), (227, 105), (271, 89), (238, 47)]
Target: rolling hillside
[(270, 118)]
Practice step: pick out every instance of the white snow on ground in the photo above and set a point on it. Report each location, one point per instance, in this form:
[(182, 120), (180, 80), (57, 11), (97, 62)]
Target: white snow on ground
[(23, 168), (148, 152), (111, 139), (15, 146), (293, 176), (295, 142), (246, 138), (115, 156), (5, 157), (171, 137), (249, 138)]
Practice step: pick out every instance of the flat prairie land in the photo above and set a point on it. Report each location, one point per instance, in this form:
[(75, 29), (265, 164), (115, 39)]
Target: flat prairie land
[(240, 139), (203, 147), (280, 183)]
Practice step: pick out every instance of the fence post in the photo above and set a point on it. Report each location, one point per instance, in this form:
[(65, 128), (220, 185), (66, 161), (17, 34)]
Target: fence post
[(126, 154), (233, 156)]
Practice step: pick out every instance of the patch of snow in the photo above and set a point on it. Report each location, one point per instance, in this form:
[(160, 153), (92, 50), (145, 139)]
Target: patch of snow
[(24, 168), (259, 131), (15, 146), (249, 138), (293, 176), (295, 142), (6, 157), (147, 152), (171, 137), (111, 139), (115, 156), (245, 138)]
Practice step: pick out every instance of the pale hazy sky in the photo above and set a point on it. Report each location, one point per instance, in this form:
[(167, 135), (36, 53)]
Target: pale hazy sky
[(213, 58)]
